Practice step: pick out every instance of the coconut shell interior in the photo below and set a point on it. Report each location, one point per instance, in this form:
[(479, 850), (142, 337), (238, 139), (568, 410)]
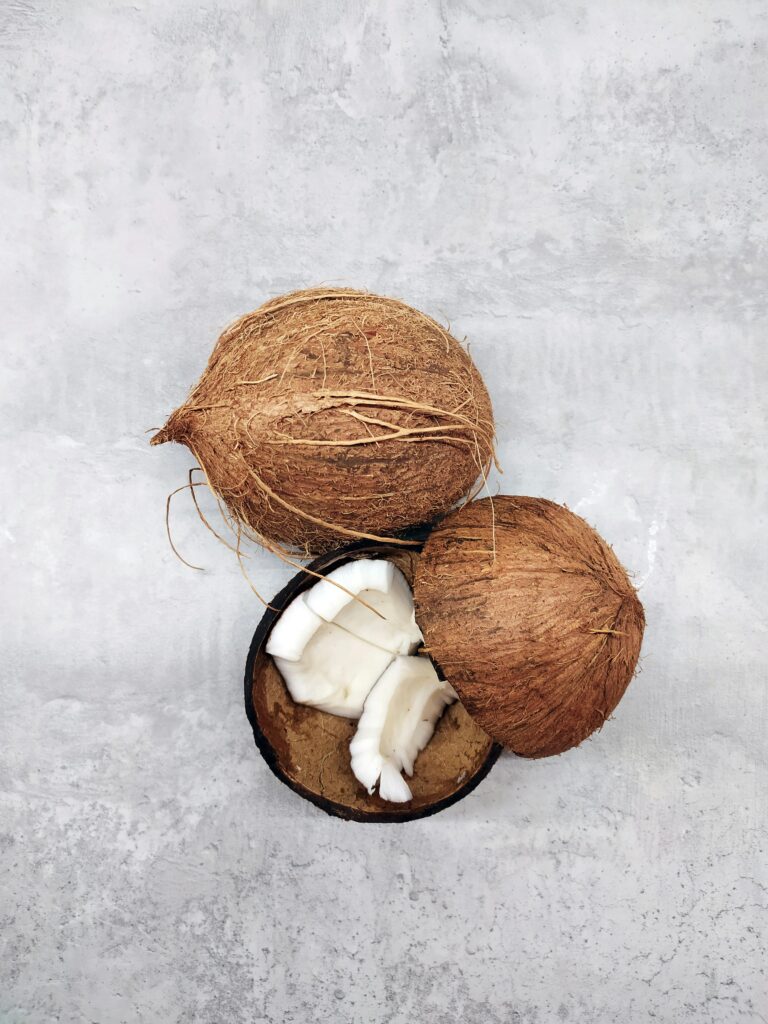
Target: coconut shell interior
[(309, 749)]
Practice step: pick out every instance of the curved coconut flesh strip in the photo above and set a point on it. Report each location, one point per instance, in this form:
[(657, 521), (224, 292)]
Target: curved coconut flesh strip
[(293, 630), (397, 722), (322, 664), (382, 587)]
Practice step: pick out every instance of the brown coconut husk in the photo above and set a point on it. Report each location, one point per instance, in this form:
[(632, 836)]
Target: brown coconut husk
[(532, 619), (329, 415)]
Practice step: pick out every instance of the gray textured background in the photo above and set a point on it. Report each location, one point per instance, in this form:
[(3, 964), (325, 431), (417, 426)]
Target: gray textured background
[(581, 191)]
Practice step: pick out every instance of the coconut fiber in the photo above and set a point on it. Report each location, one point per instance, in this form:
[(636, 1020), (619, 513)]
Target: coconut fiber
[(532, 619), (328, 415)]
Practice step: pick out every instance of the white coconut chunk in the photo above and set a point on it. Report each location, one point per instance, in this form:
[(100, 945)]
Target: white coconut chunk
[(382, 587), (359, 574), (293, 630), (397, 722), (322, 664), (335, 673), (392, 785)]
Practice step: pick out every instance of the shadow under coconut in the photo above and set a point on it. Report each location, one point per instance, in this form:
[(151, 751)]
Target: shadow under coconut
[(308, 749)]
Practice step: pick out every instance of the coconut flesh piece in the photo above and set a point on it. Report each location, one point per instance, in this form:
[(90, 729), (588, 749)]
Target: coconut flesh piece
[(323, 665), (330, 648), (397, 722), (392, 623)]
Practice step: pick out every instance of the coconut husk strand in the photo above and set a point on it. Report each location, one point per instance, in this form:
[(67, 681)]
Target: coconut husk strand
[(330, 415), (531, 618)]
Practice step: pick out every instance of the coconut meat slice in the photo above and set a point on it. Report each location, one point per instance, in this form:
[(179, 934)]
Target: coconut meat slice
[(322, 664), (383, 615), (397, 722)]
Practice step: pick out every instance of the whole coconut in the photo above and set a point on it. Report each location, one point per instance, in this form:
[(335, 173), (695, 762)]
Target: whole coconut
[(332, 414), (532, 619)]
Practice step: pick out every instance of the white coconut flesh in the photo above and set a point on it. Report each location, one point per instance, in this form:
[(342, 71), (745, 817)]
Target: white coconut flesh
[(334, 671), (387, 618), (397, 722), (346, 646), (330, 647)]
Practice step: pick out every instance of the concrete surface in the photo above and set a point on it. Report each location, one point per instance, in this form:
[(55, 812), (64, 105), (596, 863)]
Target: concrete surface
[(581, 191)]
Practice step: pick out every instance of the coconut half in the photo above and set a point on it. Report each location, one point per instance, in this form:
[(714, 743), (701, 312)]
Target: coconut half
[(531, 617), (310, 751), (344, 647)]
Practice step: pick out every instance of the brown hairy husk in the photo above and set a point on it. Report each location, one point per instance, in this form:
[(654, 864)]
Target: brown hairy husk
[(330, 414), (532, 619)]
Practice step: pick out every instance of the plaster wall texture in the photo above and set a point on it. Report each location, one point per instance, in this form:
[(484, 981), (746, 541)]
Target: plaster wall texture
[(580, 189)]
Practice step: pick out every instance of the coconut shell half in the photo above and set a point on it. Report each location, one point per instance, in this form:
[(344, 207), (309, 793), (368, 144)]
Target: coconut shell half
[(531, 618), (308, 749)]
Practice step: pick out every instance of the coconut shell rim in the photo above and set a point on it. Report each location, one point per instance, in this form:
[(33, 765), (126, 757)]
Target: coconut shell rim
[(323, 564)]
